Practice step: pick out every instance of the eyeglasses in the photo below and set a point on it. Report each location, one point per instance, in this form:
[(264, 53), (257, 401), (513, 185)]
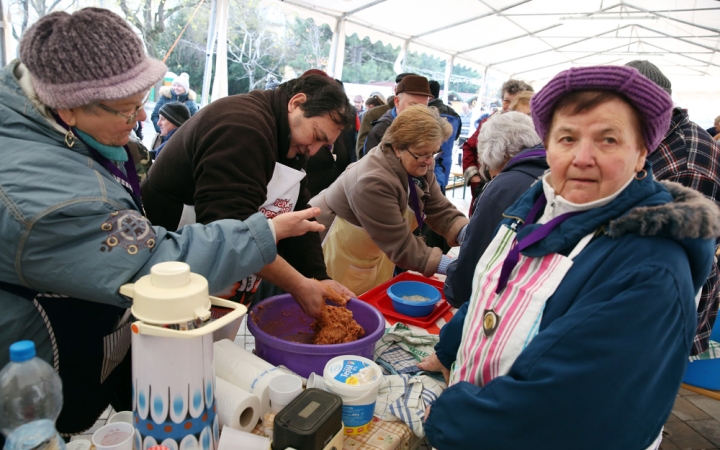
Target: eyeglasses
[(131, 118), (433, 155)]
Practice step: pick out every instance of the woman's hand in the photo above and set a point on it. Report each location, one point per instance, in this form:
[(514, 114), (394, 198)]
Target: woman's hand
[(297, 223), (432, 364)]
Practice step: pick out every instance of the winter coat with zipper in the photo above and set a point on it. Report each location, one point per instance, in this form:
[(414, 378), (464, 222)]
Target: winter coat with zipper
[(613, 342)]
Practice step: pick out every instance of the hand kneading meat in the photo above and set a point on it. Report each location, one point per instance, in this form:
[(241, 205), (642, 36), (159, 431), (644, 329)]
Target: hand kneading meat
[(336, 326)]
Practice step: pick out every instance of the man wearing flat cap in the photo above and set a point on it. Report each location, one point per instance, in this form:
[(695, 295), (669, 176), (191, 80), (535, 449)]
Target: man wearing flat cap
[(411, 90)]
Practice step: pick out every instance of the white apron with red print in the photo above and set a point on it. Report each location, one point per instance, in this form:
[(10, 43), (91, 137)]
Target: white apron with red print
[(499, 326), (283, 191)]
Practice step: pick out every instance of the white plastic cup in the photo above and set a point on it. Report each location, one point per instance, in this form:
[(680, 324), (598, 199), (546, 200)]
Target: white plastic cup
[(232, 439), (78, 444), (316, 381), (114, 436), (122, 416), (283, 389)]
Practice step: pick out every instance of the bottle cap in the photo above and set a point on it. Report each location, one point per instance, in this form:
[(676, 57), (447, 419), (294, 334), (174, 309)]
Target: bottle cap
[(22, 351)]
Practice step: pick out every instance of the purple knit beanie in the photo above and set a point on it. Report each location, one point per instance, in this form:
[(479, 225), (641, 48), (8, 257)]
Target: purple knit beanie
[(653, 103), (85, 57)]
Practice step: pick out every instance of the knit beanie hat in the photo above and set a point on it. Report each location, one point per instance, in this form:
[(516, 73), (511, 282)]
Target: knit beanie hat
[(183, 80), (652, 72), (175, 112), (90, 55), (654, 104)]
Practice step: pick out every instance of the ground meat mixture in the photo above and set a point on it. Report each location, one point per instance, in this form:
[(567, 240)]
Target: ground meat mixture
[(336, 326)]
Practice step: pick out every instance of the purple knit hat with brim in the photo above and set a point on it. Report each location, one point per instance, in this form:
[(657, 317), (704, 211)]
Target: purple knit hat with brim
[(88, 56), (653, 103)]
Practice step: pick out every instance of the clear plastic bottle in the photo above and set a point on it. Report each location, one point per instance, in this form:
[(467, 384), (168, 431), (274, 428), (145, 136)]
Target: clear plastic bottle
[(30, 401)]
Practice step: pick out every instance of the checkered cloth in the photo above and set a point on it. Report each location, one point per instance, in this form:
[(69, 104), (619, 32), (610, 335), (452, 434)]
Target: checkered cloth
[(713, 352), (418, 342), (405, 398), (397, 361)]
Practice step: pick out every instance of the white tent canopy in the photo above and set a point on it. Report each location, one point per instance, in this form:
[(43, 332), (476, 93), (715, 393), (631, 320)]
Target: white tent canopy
[(535, 39)]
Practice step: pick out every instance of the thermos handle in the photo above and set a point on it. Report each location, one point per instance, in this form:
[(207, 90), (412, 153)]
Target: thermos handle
[(154, 330)]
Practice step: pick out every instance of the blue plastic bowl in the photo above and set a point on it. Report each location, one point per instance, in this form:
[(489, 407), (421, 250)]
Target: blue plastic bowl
[(408, 307)]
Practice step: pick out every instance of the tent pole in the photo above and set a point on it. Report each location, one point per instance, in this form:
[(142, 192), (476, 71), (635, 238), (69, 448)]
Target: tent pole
[(337, 50), (333, 49), (483, 89), (207, 75), (340, 51), (448, 72), (3, 44)]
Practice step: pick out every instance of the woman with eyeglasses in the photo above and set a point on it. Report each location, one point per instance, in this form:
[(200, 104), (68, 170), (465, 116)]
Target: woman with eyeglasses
[(72, 228), (373, 208)]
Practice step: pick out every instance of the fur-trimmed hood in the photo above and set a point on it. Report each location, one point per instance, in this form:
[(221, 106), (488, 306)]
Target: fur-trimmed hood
[(689, 216), (166, 91)]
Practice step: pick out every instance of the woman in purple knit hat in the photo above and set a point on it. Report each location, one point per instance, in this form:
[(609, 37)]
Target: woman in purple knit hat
[(72, 225), (582, 312)]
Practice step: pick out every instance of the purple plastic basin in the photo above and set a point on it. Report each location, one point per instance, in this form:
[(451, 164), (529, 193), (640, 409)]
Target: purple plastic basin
[(281, 316)]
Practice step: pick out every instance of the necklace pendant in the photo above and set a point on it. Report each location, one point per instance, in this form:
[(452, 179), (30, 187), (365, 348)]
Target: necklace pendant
[(490, 322)]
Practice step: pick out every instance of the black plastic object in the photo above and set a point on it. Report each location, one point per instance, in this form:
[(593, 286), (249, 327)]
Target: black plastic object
[(309, 422)]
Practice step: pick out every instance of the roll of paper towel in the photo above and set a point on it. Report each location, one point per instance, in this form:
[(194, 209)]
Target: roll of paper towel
[(245, 370), (237, 408), (231, 439)]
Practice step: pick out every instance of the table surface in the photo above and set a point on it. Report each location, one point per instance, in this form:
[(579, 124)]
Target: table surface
[(382, 435)]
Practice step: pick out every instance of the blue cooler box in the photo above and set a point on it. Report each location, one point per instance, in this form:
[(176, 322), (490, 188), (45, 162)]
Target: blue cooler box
[(705, 373)]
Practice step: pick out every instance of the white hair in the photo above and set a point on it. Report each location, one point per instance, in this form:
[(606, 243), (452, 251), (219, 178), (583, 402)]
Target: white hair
[(503, 136)]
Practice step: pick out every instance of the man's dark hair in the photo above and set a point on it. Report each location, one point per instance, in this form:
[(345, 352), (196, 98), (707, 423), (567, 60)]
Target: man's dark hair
[(435, 88), (512, 87), (324, 96)]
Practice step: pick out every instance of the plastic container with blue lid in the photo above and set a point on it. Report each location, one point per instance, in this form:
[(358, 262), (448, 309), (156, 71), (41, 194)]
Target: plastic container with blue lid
[(357, 381)]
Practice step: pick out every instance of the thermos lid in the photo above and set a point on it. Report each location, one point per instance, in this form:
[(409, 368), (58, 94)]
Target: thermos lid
[(171, 294)]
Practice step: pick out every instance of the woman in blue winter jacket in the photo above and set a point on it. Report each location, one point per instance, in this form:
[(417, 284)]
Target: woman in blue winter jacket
[(179, 92), (582, 312)]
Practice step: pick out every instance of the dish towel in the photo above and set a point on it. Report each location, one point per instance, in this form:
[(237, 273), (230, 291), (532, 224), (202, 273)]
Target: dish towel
[(405, 398), (401, 348), (713, 352)]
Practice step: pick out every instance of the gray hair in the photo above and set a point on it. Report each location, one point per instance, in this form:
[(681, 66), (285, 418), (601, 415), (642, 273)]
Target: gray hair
[(512, 87), (503, 136)]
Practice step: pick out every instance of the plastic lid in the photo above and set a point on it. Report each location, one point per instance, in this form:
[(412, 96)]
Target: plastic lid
[(351, 374), (22, 351)]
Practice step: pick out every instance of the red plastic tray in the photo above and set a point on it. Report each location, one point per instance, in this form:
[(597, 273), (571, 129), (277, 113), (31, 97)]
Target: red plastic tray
[(378, 297)]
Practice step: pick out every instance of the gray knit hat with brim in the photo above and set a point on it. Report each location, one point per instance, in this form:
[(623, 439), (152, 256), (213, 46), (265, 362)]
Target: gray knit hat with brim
[(88, 56), (175, 112)]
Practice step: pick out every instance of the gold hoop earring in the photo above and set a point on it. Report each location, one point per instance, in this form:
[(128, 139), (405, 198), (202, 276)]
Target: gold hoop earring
[(641, 175), (69, 138)]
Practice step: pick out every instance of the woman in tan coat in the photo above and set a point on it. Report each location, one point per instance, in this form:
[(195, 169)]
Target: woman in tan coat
[(373, 208)]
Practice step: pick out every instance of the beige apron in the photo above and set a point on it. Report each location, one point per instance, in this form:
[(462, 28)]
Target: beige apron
[(354, 260)]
